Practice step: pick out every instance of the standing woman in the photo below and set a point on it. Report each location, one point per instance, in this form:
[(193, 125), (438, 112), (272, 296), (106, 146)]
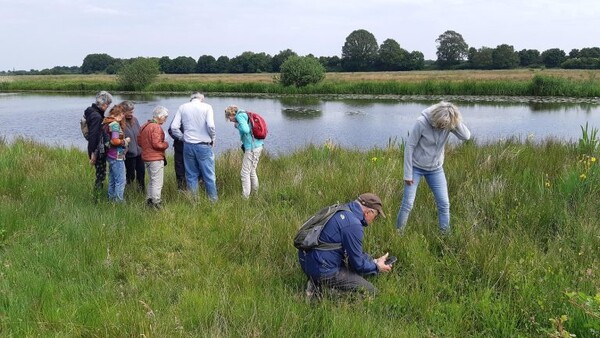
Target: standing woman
[(134, 165), (152, 141), (252, 149), (424, 157), (115, 155)]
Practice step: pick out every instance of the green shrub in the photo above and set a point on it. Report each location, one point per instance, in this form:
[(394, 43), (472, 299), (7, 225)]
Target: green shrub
[(138, 74), (301, 71)]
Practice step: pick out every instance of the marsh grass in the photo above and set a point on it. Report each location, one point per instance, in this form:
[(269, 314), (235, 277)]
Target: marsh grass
[(524, 233), (522, 82)]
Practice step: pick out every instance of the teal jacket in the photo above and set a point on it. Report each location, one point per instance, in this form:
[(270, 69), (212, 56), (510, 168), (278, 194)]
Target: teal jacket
[(243, 127)]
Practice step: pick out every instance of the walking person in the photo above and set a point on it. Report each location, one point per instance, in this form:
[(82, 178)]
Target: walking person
[(197, 119), (424, 157), (341, 268), (153, 144), (251, 146), (113, 125), (134, 165), (94, 115)]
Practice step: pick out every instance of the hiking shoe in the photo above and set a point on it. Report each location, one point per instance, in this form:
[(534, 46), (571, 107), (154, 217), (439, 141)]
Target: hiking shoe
[(312, 291)]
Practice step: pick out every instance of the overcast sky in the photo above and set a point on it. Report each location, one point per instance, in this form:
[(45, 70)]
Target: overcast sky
[(38, 34)]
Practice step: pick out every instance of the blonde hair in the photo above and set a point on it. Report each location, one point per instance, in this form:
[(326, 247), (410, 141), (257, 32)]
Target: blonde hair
[(445, 115), (231, 110)]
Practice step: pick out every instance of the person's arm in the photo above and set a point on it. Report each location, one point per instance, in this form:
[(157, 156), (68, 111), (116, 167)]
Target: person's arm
[(115, 135), (95, 128), (352, 237), (462, 132), (210, 125), (409, 148), (175, 128), (157, 139), (242, 123)]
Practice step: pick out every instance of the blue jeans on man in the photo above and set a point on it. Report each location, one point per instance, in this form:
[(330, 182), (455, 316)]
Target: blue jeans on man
[(199, 161), (436, 179)]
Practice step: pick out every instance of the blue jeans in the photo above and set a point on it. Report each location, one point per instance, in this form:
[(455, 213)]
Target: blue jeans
[(116, 179), (199, 161), (436, 179)]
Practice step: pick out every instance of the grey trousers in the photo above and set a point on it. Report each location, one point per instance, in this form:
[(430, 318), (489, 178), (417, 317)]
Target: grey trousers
[(346, 280), (156, 171)]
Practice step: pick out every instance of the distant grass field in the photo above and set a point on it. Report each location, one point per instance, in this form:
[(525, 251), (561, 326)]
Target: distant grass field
[(522, 82), (523, 258)]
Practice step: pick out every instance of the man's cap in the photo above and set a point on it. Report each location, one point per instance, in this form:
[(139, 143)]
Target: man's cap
[(372, 201)]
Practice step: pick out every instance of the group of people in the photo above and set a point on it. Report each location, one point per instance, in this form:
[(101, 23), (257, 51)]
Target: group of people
[(131, 150)]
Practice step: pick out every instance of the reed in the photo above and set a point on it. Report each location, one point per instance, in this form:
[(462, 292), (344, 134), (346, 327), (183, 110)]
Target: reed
[(571, 83)]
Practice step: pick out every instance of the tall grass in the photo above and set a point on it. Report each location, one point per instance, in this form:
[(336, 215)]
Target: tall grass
[(523, 83), (525, 232)]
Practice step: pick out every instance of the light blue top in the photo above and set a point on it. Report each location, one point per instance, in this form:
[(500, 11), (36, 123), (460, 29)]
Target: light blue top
[(243, 126)]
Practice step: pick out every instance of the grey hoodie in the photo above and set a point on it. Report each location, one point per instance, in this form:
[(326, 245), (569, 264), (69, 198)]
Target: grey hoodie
[(425, 145)]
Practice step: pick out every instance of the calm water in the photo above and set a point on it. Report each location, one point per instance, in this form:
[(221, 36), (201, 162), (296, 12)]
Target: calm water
[(296, 122)]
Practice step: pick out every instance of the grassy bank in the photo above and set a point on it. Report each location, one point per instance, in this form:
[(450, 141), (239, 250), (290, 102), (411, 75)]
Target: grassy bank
[(524, 82), (525, 232)]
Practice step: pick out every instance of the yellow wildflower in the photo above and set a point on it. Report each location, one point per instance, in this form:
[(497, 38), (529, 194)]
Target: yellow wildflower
[(582, 177)]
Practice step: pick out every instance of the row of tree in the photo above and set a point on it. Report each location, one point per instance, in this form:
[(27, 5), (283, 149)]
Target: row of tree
[(360, 52)]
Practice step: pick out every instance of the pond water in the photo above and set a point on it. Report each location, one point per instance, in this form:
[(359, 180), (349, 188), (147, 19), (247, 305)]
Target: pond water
[(295, 122)]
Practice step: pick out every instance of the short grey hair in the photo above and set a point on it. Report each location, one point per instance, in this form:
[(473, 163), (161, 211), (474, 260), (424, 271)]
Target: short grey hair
[(445, 115), (160, 112), (103, 97), (197, 95), (127, 105)]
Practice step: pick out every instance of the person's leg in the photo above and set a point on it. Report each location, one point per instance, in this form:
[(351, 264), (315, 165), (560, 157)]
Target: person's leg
[(253, 176), (207, 168), (245, 173), (129, 169), (346, 280), (192, 167), (179, 169), (408, 199), (119, 170), (439, 186), (140, 173), (112, 178), (100, 167), (156, 175)]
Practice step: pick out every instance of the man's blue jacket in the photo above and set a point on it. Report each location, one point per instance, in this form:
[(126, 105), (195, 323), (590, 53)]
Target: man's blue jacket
[(346, 227)]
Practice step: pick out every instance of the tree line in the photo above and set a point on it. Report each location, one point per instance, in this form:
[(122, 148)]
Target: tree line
[(360, 52)]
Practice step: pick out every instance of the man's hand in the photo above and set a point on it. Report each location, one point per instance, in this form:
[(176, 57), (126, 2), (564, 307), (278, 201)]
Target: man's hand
[(381, 266), (409, 182)]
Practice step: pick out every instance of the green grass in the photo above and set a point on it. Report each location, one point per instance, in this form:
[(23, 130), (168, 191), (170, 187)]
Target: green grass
[(525, 232)]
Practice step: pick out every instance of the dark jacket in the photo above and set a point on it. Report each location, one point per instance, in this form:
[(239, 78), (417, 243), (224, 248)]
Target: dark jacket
[(177, 144), (93, 116), (346, 227)]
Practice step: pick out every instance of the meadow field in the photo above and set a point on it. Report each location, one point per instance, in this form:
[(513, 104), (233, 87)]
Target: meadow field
[(522, 260), (519, 82)]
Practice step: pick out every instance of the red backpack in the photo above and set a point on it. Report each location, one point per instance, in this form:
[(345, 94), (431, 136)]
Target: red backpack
[(258, 126)]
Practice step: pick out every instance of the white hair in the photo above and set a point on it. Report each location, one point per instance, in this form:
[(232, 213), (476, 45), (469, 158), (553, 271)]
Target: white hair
[(160, 112), (445, 115), (103, 97), (197, 95)]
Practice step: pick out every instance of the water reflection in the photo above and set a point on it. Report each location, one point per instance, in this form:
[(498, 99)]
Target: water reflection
[(301, 113), (351, 122)]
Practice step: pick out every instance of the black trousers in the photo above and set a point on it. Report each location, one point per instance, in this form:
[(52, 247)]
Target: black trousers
[(180, 169), (135, 170)]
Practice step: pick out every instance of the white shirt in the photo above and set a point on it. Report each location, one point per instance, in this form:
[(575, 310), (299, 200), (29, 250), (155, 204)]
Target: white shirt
[(198, 122)]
